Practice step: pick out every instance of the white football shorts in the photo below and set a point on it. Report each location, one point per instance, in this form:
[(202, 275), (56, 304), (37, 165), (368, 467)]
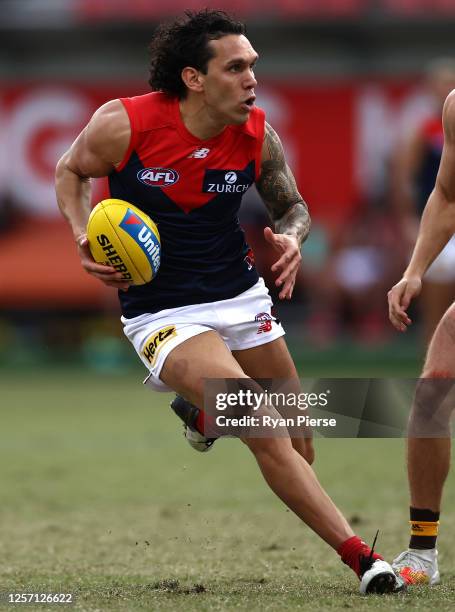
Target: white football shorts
[(242, 322), (442, 270)]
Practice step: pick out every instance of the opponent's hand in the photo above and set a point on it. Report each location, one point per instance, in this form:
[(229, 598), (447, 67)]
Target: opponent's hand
[(106, 274), (288, 264), (399, 298)]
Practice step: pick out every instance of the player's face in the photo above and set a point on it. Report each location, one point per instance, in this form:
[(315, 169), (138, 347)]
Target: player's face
[(229, 83)]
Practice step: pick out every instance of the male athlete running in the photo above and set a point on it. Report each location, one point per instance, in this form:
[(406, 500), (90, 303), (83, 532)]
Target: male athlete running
[(200, 124)]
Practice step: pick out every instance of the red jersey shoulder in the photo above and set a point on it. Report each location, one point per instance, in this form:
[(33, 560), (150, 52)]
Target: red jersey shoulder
[(149, 111)]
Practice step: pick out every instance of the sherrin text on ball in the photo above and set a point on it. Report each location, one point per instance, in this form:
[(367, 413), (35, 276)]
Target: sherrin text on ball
[(124, 237)]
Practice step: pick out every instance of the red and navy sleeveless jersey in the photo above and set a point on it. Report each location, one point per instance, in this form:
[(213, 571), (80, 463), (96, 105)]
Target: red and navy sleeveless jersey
[(432, 135), (192, 189)]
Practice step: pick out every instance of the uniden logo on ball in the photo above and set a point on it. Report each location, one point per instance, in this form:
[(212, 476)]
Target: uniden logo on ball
[(158, 177), (143, 236)]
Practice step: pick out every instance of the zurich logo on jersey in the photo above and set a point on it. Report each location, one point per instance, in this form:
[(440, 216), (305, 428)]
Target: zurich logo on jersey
[(230, 177), (227, 181), (158, 177)]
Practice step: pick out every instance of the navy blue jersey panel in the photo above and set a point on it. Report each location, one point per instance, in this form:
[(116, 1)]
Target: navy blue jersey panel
[(203, 250)]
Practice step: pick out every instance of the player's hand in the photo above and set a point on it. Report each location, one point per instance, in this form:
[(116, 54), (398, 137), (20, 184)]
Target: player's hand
[(399, 298), (288, 264), (107, 274)]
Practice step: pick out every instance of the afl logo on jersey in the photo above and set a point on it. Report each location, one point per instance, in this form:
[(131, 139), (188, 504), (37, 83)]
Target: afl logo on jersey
[(158, 177)]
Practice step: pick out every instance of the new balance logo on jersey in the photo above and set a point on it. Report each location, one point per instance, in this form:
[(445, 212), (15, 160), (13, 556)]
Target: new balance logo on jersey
[(226, 181), (199, 153)]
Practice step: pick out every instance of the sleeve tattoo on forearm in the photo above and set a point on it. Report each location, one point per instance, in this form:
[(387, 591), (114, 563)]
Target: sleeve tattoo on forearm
[(278, 189)]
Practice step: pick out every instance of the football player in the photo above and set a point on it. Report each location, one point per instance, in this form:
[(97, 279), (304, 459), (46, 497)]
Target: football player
[(201, 128)]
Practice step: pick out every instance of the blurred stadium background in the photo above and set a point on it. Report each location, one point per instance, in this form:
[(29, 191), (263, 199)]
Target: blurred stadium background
[(342, 83), (86, 504)]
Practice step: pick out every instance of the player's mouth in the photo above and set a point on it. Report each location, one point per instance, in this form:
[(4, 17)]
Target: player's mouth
[(248, 103)]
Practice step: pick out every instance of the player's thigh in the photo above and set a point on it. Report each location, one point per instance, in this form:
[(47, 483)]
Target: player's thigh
[(270, 360), (198, 358), (440, 359)]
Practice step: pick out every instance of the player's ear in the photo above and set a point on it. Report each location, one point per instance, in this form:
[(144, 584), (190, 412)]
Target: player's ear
[(192, 79)]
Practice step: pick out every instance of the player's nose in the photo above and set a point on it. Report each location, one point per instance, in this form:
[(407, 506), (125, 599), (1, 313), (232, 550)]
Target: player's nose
[(250, 81)]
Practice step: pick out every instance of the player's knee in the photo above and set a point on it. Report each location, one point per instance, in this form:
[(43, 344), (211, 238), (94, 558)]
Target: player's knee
[(432, 406), (439, 361)]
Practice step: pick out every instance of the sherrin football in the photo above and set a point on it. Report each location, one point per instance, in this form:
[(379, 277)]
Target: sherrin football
[(122, 236)]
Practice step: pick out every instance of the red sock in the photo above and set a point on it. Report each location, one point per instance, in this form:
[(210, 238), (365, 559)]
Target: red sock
[(200, 422), (205, 424), (351, 550)]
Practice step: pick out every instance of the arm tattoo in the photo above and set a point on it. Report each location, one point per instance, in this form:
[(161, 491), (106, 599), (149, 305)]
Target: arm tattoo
[(278, 189)]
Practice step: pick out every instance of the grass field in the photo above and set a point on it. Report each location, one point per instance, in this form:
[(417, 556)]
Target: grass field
[(101, 497)]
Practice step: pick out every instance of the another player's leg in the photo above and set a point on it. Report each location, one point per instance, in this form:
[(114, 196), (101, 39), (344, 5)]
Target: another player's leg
[(286, 472), (428, 458)]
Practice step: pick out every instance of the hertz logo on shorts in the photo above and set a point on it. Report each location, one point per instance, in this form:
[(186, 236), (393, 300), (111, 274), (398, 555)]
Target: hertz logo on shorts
[(156, 341)]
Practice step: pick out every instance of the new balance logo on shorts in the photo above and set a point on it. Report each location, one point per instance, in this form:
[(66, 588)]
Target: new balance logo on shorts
[(265, 322)]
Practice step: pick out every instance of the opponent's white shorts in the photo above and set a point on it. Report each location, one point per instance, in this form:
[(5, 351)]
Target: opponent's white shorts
[(242, 322), (442, 270)]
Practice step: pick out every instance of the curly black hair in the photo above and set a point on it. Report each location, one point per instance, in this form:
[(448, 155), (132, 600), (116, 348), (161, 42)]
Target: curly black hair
[(184, 42)]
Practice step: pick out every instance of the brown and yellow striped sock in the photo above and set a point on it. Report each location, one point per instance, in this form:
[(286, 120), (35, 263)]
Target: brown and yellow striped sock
[(424, 528)]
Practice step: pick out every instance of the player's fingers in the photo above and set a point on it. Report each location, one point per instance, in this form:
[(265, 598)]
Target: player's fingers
[(94, 268), (398, 323), (286, 291), (290, 256), (397, 307), (82, 240), (270, 236), (406, 299), (117, 285), (111, 278), (398, 317), (288, 261), (289, 271), (282, 262)]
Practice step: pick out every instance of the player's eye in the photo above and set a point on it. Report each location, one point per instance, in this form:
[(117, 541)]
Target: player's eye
[(235, 68)]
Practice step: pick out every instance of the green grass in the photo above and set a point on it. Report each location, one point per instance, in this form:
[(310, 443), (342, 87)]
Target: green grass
[(101, 497)]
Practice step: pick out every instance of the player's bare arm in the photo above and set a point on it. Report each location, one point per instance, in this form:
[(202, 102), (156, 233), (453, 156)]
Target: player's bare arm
[(96, 151), (288, 211), (436, 228)]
